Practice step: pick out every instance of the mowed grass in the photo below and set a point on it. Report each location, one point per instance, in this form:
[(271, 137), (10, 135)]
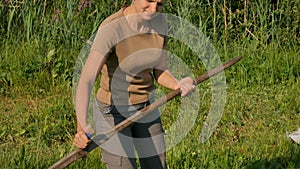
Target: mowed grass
[(37, 114)]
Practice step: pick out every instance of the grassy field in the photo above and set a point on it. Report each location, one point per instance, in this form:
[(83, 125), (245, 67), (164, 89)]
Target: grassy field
[(40, 41)]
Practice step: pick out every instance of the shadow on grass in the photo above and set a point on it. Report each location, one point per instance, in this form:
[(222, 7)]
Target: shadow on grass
[(290, 161)]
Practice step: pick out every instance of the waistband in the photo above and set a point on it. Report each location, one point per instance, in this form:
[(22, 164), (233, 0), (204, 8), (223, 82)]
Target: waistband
[(131, 108)]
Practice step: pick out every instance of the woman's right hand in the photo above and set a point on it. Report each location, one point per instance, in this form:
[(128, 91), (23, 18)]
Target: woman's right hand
[(81, 140)]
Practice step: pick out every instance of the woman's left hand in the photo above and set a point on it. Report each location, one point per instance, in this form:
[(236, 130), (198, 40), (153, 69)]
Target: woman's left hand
[(187, 85)]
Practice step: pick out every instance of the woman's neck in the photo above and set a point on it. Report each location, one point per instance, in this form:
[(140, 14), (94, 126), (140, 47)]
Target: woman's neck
[(135, 20)]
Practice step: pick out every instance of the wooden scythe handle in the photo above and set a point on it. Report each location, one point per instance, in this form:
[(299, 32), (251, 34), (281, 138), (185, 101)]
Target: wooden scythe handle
[(100, 139)]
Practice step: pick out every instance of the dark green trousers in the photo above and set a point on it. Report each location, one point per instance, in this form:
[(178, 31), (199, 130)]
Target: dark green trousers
[(140, 144)]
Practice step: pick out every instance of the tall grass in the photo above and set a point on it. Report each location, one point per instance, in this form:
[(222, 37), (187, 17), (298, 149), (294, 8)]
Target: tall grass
[(41, 39)]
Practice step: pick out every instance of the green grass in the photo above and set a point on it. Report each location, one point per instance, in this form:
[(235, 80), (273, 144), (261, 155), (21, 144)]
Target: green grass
[(38, 56)]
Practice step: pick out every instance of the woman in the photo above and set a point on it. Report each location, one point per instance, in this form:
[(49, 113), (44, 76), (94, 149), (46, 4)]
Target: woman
[(130, 51)]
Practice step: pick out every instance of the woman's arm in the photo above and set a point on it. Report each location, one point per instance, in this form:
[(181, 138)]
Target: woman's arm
[(165, 78), (88, 76)]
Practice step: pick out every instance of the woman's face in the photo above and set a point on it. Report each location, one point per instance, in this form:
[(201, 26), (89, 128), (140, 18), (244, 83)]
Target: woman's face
[(147, 8)]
